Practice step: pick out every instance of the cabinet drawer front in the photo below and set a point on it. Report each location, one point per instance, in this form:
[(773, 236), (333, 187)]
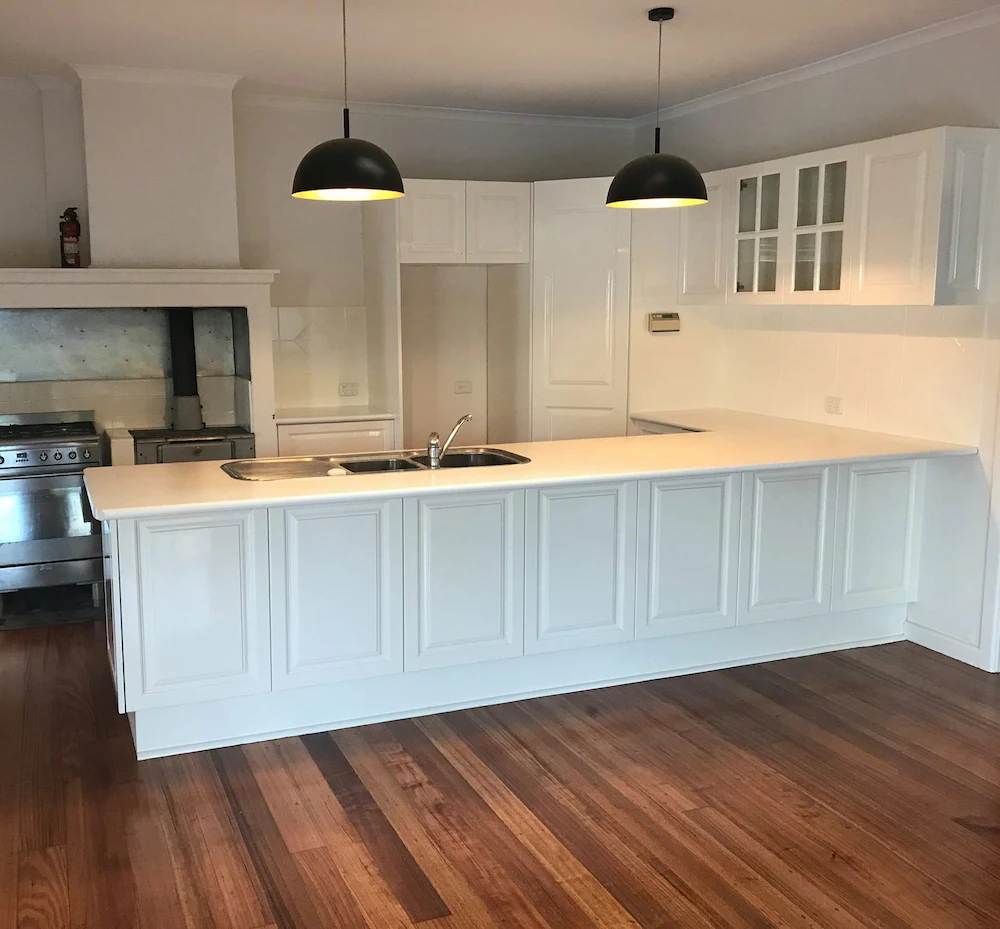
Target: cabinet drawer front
[(196, 624), (786, 544), (464, 578), (336, 592), (878, 535), (581, 546), (335, 438), (687, 555)]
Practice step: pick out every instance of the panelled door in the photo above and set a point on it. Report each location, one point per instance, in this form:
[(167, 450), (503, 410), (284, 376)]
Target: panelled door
[(580, 312)]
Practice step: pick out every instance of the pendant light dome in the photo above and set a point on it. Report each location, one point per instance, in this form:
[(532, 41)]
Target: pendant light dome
[(347, 169), (657, 181)]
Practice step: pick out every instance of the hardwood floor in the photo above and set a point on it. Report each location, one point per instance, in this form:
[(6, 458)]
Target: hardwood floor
[(854, 790)]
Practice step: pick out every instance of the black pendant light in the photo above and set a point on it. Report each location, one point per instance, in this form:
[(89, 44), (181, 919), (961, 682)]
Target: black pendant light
[(657, 181), (347, 169)]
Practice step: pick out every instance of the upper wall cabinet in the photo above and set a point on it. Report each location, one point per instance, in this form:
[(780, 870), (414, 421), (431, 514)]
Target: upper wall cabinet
[(465, 222), (904, 221), (924, 217), (704, 245)]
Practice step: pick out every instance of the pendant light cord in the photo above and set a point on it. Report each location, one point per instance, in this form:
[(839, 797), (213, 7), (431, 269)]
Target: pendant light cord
[(659, 65), (347, 114)]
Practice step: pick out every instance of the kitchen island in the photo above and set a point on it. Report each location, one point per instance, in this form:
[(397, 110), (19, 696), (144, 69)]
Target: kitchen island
[(244, 610)]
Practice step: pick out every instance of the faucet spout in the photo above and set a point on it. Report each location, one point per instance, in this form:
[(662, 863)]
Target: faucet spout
[(436, 450)]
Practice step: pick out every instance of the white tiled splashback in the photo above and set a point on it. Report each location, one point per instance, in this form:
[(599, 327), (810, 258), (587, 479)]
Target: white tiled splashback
[(316, 348), (930, 372), (119, 404)]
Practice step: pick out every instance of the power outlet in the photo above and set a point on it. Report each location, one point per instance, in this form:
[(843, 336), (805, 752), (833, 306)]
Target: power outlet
[(463, 387), (347, 389), (835, 406)]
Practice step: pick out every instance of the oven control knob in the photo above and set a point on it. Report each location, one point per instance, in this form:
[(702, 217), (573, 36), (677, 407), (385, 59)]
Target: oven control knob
[(86, 453), (71, 456), (1, 459), (43, 456), (58, 456)]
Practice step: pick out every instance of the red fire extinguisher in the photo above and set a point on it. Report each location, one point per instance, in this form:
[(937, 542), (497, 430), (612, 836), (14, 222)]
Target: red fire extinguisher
[(69, 238)]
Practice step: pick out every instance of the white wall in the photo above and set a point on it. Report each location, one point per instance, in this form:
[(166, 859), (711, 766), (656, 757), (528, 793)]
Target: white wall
[(444, 341), (26, 231), (954, 81)]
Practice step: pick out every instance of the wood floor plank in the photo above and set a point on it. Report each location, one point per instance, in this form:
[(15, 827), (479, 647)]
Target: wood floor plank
[(411, 886), (452, 886), (548, 852), (286, 892), (492, 853), (42, 890)]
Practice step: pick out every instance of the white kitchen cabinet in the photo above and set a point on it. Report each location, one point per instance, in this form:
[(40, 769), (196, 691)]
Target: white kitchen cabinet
[(464, 578), (194, 598), (579, 312), (343, 438), (704, 245), (786, 544), (758, 194), (879, 516), (465, 222), (336, 592), (580, 549), (924, 219), (687, 554), (822, 196), (497, 222), (432, 222)]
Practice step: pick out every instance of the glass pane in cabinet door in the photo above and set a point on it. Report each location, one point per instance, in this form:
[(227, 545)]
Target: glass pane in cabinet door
[(748, 205), (831, 260), (805, 261), (808, 211), (744, 265), (770, 193), (834, 192), (767, 268)]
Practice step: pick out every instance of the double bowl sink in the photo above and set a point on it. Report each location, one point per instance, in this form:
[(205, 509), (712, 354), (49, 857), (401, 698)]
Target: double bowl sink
[(281, 469)]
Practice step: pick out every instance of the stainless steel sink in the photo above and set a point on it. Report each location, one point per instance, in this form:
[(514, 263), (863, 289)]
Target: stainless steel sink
[(283, 469), (378, 465), (474, 458)]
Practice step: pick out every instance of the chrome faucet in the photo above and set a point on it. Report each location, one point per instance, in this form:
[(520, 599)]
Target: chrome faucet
[(435, 450)]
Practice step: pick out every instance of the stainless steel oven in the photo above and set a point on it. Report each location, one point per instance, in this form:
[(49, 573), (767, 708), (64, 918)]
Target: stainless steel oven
[(48, 535)]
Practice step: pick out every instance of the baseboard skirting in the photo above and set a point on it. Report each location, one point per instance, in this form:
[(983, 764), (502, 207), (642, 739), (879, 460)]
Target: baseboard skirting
[(937, 642), (278, 714)]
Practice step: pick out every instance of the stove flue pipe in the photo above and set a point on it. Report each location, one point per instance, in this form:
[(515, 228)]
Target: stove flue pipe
[(186, 404)]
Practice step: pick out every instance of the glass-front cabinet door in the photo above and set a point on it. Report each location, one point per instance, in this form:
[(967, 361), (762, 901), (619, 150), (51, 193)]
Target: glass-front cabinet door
[(822, 189), (757, 277)]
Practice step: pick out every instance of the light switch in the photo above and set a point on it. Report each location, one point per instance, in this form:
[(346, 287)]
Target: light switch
[(463, 387)]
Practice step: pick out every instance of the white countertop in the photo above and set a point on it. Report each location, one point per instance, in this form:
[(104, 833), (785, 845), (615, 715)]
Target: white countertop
[(732, 441), (299, 415)]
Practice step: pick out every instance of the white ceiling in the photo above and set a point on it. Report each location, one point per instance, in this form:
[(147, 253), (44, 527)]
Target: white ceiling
[(588, 57)]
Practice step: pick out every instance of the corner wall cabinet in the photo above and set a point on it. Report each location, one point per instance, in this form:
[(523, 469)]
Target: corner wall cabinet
[(905, 221), (464, 222)]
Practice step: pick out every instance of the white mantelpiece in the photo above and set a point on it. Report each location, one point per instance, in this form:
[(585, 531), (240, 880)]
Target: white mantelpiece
[(101, 288), (161, 168)]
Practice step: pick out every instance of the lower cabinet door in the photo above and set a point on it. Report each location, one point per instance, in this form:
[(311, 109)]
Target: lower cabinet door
[(580, 549), (786, 545), (336, 592), (195, 626), (688, 550), (878, 534), (464, 578)]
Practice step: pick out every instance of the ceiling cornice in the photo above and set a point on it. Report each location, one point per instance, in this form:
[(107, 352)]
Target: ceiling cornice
[(914, 39), (326, 105), (155, 76)]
